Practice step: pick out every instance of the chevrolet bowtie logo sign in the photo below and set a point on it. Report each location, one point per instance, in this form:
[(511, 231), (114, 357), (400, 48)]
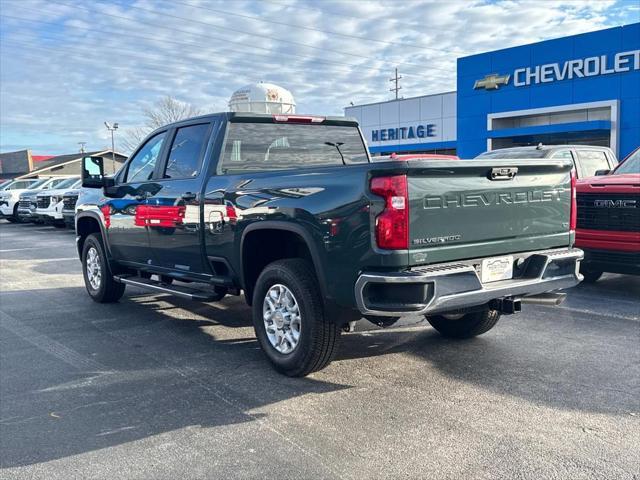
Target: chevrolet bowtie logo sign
[(492, 82)]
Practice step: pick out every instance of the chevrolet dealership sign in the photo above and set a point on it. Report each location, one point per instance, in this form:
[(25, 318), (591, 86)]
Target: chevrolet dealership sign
[(553, 72)]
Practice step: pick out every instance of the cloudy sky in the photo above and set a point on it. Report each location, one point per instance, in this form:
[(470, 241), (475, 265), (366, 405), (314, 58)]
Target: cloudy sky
[(68, 65)]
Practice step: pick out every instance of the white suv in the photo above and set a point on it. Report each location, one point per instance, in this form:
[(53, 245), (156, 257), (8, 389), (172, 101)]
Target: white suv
[(49, 202), (9, 197)]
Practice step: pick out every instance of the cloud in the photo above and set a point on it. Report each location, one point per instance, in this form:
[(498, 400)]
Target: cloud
[(67, 65)]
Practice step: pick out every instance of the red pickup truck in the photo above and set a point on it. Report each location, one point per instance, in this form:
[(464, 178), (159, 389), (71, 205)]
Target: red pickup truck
[(608, 227)]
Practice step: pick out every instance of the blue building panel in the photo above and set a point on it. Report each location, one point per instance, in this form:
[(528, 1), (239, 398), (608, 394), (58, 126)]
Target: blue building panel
[(582, 88), (552, 76)]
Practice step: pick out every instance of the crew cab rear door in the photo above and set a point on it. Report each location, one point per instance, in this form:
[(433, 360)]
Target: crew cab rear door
[(172, 214)]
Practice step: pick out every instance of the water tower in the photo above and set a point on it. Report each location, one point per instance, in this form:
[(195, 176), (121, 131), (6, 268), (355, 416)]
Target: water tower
[(262, 97)]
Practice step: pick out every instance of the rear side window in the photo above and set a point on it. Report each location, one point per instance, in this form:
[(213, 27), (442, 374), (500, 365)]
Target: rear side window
[(272, 146), (511, 153), (563, 154), (186, 151), (142, 165), (591, 161)]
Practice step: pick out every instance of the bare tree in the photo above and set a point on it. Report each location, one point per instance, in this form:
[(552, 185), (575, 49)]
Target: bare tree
[(164, 111)]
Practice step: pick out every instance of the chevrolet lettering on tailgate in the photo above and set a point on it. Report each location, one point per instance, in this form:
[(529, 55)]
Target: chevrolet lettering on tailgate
[(488, 199)]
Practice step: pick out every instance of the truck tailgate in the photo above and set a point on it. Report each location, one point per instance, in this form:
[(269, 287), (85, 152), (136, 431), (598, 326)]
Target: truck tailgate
[(461, 209)]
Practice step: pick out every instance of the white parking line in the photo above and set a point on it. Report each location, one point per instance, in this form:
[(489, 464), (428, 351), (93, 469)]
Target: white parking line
[(50, 346), (26, 248)]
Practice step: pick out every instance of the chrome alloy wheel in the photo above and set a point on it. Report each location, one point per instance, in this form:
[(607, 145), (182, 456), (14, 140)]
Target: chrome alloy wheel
[(94, 268), (282, 320)]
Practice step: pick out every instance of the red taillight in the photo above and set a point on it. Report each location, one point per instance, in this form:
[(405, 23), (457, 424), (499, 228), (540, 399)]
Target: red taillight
[(297, 119), (573, 218), (106, 213), (392, 225)]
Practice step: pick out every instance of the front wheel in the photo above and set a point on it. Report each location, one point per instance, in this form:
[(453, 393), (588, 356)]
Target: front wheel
[(14, 218), (101, 286), (289, 321), (465, 325)]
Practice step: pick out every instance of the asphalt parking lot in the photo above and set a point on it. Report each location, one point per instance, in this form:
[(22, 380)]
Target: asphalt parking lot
[(159, 387)]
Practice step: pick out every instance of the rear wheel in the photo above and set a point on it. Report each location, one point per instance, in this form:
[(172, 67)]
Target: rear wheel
[(289, 321), (59, 224), (465, 325), (99, 282), (590, 276)]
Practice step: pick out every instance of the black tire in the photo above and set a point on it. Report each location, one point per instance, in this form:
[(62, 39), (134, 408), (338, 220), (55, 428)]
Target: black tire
[(467, 326), (107, 289), (166, 279), (318, 338), (59, 224), (15, 218), (591, 276)]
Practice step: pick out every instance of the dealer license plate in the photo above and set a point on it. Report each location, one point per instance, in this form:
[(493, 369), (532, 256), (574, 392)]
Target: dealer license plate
[(496, 269)]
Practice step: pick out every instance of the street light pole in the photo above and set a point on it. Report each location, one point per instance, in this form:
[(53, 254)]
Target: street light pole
[(112, 129)]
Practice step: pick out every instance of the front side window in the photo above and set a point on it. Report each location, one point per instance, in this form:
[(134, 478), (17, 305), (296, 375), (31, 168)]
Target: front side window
[(38, 184), (630, 165), (143, 164), (186, 151), (591, 161), (18, 185), (270, 146), (66, 183)]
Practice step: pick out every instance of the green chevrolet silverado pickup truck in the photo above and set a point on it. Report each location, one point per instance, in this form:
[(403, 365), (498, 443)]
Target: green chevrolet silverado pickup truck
[(290, 211)]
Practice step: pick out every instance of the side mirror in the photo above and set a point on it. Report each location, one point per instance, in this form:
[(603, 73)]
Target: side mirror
[(92, 172), (600, 173)]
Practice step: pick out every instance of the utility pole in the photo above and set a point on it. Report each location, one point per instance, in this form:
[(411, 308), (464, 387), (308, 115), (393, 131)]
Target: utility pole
[(82, 144), (112, 129), (396, 80)]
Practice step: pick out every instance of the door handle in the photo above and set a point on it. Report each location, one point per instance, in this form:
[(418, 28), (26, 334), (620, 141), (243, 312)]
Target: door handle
[(188, 196), (142, 196)]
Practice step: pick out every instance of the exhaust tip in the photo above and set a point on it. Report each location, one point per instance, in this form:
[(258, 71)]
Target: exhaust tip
[(550, 299)]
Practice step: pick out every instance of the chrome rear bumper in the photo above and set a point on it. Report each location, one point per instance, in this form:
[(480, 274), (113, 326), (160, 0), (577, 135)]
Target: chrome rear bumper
[(453, 286)]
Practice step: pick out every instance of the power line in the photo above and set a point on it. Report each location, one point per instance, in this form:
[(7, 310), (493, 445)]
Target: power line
[(161, 64), (342, 15), (217, 27), (162, 67), (244, 52), (313, 29)]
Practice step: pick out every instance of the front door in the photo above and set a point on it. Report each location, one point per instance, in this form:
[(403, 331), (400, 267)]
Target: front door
[(173, 213), (128, 236)]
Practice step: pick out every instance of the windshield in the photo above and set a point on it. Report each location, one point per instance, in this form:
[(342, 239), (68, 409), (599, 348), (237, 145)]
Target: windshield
[(40, 182), (514, 153), (4, 185), (67, 183), (630, 165)]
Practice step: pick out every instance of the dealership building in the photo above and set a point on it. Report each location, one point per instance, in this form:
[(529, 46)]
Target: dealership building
[(580, 89)]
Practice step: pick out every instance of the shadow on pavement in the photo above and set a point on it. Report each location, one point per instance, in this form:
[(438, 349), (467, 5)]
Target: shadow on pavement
[(561, 363), (96, 376), (78, 376)]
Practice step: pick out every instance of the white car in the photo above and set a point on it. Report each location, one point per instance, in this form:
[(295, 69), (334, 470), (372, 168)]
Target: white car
[(16, 184), (9, 197), (49, 202)]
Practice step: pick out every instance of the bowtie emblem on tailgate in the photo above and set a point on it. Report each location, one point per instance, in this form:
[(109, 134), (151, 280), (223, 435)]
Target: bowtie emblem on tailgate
[(503, 173)]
